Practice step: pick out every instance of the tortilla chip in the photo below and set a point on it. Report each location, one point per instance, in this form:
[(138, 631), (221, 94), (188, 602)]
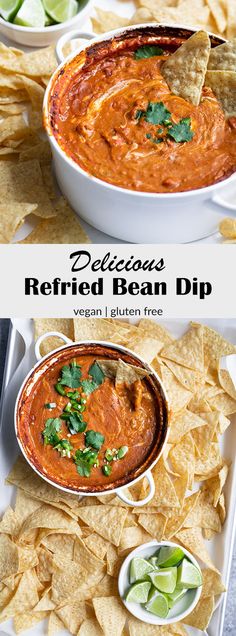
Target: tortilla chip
[(107, 21), (12, 216), (227, 383), (146, 348), (153, 524), (90, 627), (10, 522), (25, 597), (54, 624), (71, 580), (215, 485), (201, 615), (85, 558), (155, 330), (132, 537), (177, 521), (215, 346), (25, 621), (192, 539), (203, 515), (223, 57), (49, 517), (190, 379), (231, 24), (227, 227), (211, 583), (9, 559), (44, 568), (223, 85), (223, 402), (185, 70), (45, 604), (97, 545), (72, 615), (105, 520), (99, 329), (111, 615), (219, 14), (188, 350), (165, 494), (64, 228), (42, 325), (33, 64), (177, 396), (182, 423), (182, 457), (129, 374), (22, 183)]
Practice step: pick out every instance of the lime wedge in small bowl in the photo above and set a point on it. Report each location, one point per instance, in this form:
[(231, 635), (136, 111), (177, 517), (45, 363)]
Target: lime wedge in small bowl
[(138, 592), (158, 604), (31, 14), (164, 580), (139, 569), (61, 11), (9, 8)]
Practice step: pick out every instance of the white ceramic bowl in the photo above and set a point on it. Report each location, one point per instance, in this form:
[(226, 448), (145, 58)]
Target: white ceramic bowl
[(50, 360), (180, 610), (138, 217), (28, 36)]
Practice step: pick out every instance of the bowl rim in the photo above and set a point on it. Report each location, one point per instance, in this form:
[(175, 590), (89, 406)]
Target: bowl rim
[(163, 196), (33, 371), (152, 619), (53, 28)]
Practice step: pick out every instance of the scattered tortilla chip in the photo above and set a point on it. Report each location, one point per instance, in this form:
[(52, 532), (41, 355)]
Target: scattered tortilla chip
[(176, 522), (203, 515), (63, 325), (98, 329), (22, 183), (227, 383), (9, 559), (211, 583), (219, 14), (183, 422), (178, 397), (227, 228), (185, 70), (155, 330), (10, 522), (231, 24), (107, 21), (223, 57), (128, 373), (64, 228), (192, 539), (45, 604), (132, 537), (25, 621), (146, 348), (223, 85), (97, 545), (165, 494), (188, 350), (90, 627), (201, 615), (72, 615), (215, 485), (54, 624), (25, 597), (154, 524), (12, 216), (105, 520), (111, 615), (49, 517)]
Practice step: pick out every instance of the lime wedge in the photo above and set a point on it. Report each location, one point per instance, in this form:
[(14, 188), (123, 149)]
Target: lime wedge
[(164, 580), (31, 14), (139, 568), (188, 575), (169, 557), (157, 604), (9, 8), (154, 561), (61, 11), (138, 593), (176, 596)]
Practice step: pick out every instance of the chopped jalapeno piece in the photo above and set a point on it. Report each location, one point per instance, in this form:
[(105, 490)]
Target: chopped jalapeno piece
[(122, 452), (59, 388), (106, 470)]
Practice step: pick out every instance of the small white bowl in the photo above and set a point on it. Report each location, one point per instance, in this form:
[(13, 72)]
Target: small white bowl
[(184, 607), (31, 36)]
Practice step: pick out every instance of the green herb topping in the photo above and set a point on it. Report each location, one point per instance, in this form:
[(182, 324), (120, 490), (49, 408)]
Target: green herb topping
[(75, 423), (64, 447), (70, 375), (156, 113), (106, 470), (84, 460), (50, 405), (94, 439), (181, 131), (147, 51), (52, 427)]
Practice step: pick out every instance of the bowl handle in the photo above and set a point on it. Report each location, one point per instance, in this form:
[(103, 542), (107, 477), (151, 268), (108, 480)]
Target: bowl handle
[(48, 334), (141, 502), (67, 37), (218, 200)]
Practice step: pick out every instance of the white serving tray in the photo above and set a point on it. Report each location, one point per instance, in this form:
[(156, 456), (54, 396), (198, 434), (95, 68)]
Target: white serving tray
[(19, 360), (212, 213)]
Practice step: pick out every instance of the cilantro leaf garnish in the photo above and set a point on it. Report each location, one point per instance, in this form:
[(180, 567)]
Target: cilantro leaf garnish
[(181, 131), (155, 140), (52, 427), (94, 439), (147, 51), (64, 447), (75, 423), (156, 113), (96, 373), (84, 460), (97, 376), (70, 375), (89, 386)]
